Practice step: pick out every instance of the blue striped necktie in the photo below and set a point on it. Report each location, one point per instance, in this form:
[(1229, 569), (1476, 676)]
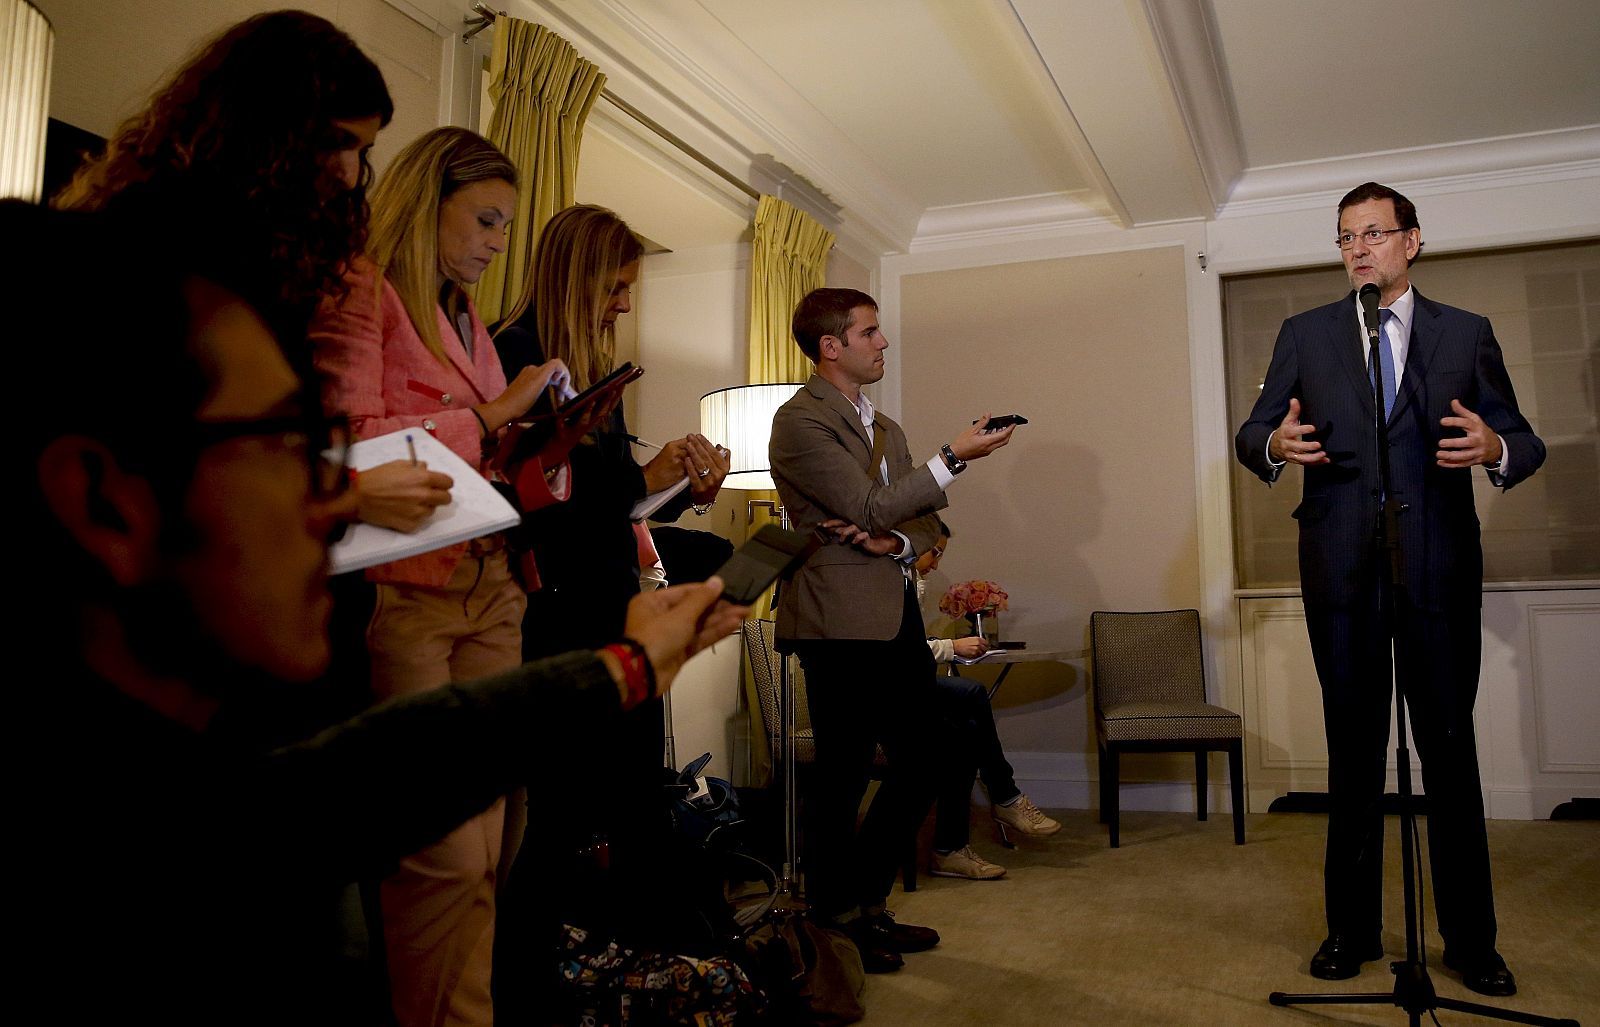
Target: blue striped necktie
[(1386, 362)]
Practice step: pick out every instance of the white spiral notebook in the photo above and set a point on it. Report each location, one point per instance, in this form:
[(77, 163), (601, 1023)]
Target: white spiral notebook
[(475, 508)]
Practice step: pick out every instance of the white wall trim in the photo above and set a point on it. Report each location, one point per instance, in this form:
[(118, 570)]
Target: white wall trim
[(1018, 217), (1529, 158)]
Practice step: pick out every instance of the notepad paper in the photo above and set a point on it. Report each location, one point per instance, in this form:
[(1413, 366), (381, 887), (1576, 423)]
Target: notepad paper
[(475, 508), (656, 500)]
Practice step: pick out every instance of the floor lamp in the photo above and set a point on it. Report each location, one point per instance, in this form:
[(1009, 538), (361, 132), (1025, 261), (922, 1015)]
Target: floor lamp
[(26, 42), (740, 418)]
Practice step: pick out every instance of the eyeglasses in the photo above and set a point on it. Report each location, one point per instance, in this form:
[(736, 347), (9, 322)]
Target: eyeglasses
[(1373, 236), (324, 440)]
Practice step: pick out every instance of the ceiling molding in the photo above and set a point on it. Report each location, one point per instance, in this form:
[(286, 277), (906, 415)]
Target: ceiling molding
[(1106, 60), (1187, 38), (1534, 157), (971, 224), (689, 73)]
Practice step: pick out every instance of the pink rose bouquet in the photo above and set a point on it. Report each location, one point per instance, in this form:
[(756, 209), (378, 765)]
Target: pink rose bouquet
[(968, 597)]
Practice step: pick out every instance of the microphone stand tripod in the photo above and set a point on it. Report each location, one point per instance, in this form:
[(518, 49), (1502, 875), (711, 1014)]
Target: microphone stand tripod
[(1413, 988)]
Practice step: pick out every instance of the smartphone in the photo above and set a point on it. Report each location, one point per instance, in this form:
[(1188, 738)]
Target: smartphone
[(1003, 421), (766, 556)]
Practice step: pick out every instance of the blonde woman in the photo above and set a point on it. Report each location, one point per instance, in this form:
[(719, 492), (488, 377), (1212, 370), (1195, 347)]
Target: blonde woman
[(585, 267), (405, 349)]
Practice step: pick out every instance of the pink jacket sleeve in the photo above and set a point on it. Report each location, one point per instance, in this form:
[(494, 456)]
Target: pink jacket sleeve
[(378, 372)]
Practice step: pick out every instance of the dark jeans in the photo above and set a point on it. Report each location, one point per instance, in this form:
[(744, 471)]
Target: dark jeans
[(964, 706), (864, 693), (1436, 665)]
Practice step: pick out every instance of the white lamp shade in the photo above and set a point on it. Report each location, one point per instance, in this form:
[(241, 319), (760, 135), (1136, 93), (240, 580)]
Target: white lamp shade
[(26, 40), (740, 418)]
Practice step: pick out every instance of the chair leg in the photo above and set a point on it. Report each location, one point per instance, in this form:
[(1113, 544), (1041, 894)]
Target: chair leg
[(1236, 782), (1202, 760), (1108, 781), (1105, 803)]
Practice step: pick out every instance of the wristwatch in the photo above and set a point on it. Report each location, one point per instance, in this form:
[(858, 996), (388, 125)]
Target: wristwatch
[(954, 463)]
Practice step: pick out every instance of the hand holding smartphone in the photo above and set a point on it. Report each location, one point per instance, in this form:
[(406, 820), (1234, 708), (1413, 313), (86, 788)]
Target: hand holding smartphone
[(766, 556)]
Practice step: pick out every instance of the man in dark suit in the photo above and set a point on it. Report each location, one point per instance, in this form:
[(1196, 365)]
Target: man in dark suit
[(1451, 409), (851, 614)]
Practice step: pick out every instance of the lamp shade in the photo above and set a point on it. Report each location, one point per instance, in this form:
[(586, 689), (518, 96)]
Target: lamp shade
[(741, 419), (26, 41)]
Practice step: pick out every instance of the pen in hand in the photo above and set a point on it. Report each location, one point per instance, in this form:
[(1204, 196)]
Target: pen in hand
[(411, 447)]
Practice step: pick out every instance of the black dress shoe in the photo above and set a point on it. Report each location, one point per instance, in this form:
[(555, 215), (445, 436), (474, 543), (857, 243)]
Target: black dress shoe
[(1486, 974), (875, 959), (880, 929), (1340, 957)]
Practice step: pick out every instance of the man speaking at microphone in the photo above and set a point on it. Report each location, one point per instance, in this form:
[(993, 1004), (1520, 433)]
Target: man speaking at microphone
[(1450, 407)]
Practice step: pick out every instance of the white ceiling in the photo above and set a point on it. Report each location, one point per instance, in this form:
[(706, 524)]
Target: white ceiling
[(934, 121)]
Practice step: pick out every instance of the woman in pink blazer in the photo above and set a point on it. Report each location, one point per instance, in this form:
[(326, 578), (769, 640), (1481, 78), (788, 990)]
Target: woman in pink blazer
[(405, 349)]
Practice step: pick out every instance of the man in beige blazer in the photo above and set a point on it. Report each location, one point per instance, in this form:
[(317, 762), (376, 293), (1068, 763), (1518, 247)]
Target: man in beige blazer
[(851, 615)]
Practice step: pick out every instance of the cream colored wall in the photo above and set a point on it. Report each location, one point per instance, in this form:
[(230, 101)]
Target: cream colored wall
[(1082, 511), (109, 58)]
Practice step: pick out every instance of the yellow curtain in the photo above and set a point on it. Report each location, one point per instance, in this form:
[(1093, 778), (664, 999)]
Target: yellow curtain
[(788, 259), (542, 91)]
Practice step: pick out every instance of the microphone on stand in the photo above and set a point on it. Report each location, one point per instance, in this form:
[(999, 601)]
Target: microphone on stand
[(1369, 309)]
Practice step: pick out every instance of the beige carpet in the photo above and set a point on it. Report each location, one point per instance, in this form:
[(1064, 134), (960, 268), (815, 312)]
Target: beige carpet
[(1180, 926)]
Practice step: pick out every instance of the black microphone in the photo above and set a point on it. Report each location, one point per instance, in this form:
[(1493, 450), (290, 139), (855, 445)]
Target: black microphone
[(1369, 308)]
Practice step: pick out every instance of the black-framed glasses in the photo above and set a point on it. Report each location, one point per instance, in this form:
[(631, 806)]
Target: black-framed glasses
[(1373, 236), (323, 439)]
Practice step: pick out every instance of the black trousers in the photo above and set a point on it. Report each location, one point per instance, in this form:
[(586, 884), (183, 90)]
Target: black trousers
[(864, 693), (1436, 657)]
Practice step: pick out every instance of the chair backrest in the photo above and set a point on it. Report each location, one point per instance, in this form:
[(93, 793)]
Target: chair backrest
[(1146, 657), (764, 664)]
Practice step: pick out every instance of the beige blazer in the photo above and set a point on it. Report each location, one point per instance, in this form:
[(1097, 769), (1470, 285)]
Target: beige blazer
[(819, 452)]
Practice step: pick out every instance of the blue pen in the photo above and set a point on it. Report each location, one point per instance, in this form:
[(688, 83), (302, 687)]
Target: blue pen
[(411, 448)]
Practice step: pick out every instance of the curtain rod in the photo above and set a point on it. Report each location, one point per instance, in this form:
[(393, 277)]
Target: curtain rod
[(660, 130), (480, 18)]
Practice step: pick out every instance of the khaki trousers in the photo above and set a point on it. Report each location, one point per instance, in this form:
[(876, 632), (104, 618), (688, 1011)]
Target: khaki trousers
[(438, 909)]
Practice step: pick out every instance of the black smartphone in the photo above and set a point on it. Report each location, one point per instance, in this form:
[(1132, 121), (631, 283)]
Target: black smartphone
[(765, 556), (1003, 421)]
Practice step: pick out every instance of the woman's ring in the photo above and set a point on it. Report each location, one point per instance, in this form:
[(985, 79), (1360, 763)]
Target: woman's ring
[(703, 471)]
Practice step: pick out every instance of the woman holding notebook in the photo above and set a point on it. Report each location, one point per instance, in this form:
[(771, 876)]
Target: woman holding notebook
[(404, 349)]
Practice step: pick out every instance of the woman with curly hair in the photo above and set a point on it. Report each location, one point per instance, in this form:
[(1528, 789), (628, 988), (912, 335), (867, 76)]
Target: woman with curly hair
[(258, 141), (257, 146)]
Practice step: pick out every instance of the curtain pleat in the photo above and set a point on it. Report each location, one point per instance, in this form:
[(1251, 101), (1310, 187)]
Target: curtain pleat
[(788, 258), (542, 92)]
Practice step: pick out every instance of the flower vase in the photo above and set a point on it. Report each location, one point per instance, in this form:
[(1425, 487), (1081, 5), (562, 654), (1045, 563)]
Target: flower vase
[(986, 625)]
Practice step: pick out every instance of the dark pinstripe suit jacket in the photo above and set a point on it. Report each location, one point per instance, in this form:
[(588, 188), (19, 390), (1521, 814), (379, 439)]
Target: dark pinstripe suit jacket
[(1319, 359)]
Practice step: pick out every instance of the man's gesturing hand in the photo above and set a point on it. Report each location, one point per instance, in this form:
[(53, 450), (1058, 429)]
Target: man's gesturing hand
[(1290, 443), (1479, 446), (975, 442)]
